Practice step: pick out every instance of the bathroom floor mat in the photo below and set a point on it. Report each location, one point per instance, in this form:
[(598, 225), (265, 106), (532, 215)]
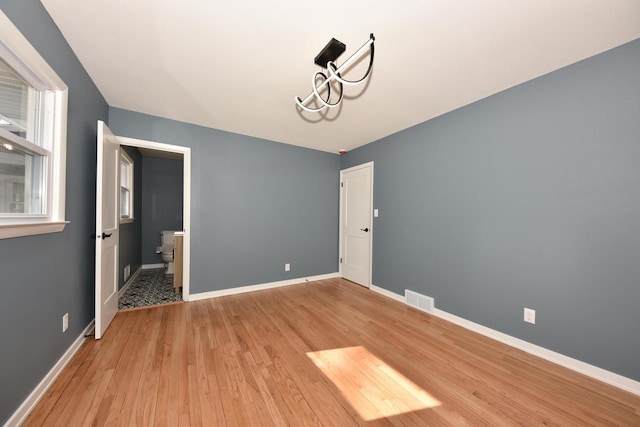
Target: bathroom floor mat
[(151, 287)]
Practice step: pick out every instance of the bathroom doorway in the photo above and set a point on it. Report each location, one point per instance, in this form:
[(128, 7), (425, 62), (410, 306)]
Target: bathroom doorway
[(161, 202)]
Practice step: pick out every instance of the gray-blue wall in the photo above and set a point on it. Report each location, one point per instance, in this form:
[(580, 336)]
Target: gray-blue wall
[(43, 277), (162, 195), (131, 233), (255, 204), (529, 198)]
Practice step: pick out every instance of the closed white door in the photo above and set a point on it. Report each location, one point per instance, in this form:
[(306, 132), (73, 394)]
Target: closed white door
[(356, 206), (107, 228)]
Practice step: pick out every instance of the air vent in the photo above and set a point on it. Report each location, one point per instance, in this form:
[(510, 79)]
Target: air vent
[(419, 301)]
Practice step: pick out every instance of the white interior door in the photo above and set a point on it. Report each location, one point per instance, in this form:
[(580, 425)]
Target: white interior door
[(107, 228), (356, 205)]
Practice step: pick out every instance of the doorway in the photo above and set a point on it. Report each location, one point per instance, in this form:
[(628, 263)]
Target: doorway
[(356, 225), (108, 216), (148, 268), (154, 273)]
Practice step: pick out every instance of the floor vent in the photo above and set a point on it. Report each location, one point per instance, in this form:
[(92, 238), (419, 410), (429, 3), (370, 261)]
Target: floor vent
[(419, 301)]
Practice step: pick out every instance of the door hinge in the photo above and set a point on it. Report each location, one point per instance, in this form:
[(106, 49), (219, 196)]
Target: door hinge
[(340, 260), (341, 184)]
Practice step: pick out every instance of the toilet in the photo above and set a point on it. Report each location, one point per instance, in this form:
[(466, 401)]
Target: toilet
[(167, 238)]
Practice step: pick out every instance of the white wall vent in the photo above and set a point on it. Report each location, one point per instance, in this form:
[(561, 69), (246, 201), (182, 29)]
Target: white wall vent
[(419, 301), (127, 272)]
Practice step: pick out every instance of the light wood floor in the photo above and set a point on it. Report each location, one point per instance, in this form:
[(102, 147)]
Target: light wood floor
[(324, 353)]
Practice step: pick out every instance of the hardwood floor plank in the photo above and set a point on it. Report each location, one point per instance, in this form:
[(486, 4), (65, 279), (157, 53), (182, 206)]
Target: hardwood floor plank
[(146, 399), (162, 396), (204, 393), (326, 353), (171, 408)]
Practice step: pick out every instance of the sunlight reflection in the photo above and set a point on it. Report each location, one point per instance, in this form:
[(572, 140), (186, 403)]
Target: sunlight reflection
[(373, 388)]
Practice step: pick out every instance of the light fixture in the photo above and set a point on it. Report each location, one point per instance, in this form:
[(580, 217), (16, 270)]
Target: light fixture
[(326, 59)]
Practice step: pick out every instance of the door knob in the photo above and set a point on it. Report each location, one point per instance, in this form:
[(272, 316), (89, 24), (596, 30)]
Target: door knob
[(366, 230), (105, 235)]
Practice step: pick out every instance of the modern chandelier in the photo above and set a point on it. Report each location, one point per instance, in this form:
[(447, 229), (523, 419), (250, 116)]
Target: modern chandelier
[(326, 59)]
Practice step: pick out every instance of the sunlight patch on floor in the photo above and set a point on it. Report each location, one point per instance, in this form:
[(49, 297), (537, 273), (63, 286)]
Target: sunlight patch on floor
[(373, 388)]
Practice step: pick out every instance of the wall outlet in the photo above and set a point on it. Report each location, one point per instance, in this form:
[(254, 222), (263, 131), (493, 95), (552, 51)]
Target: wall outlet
[(529, 315), (287, 267), (65, 322), (127, 272)]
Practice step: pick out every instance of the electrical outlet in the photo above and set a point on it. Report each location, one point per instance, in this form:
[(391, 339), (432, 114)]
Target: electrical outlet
[(529, 315), (127, 272), (287, 267), (65, 322)]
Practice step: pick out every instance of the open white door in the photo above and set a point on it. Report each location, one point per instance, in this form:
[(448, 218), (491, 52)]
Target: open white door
[(356, 206), (107, 228)]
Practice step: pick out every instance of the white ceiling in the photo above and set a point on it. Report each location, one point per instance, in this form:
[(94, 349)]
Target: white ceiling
[(237, 65)]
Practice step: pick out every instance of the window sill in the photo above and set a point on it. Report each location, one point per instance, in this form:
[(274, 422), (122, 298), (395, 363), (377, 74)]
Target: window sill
[(8, 231), (126, 220)]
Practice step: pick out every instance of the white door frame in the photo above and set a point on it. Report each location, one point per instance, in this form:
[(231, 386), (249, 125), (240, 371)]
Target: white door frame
[(371, 230), (186, 203)]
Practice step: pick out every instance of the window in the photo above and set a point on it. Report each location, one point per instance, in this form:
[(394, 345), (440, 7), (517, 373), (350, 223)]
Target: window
[(33, 104), (25, 148), (126, 188)]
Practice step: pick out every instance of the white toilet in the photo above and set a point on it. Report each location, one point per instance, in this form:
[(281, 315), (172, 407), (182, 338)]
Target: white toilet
[(167, 239)]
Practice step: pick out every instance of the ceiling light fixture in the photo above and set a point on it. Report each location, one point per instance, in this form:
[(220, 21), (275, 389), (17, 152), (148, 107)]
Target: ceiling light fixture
[(320, 80)]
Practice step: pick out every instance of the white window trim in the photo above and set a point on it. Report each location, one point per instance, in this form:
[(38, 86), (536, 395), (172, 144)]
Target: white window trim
[(55, 221), (132, 217)]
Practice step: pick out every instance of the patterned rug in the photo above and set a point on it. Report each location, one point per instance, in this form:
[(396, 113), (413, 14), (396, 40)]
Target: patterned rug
[(151, 287)]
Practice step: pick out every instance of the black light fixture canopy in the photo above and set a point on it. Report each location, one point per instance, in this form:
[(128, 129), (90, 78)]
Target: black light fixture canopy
[(330, 52)]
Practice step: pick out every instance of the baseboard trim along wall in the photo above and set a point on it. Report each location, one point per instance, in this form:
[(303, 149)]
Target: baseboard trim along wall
[(260, 287), (30, 402), (129, 282), (387, 293), (151, 266), (592, 371)]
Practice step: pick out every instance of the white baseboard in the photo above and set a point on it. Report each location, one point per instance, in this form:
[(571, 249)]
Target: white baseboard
[(600, 374), (27, 406), (592, 371), (151, 266), (129, 282), (259, 287), (387, 293)]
